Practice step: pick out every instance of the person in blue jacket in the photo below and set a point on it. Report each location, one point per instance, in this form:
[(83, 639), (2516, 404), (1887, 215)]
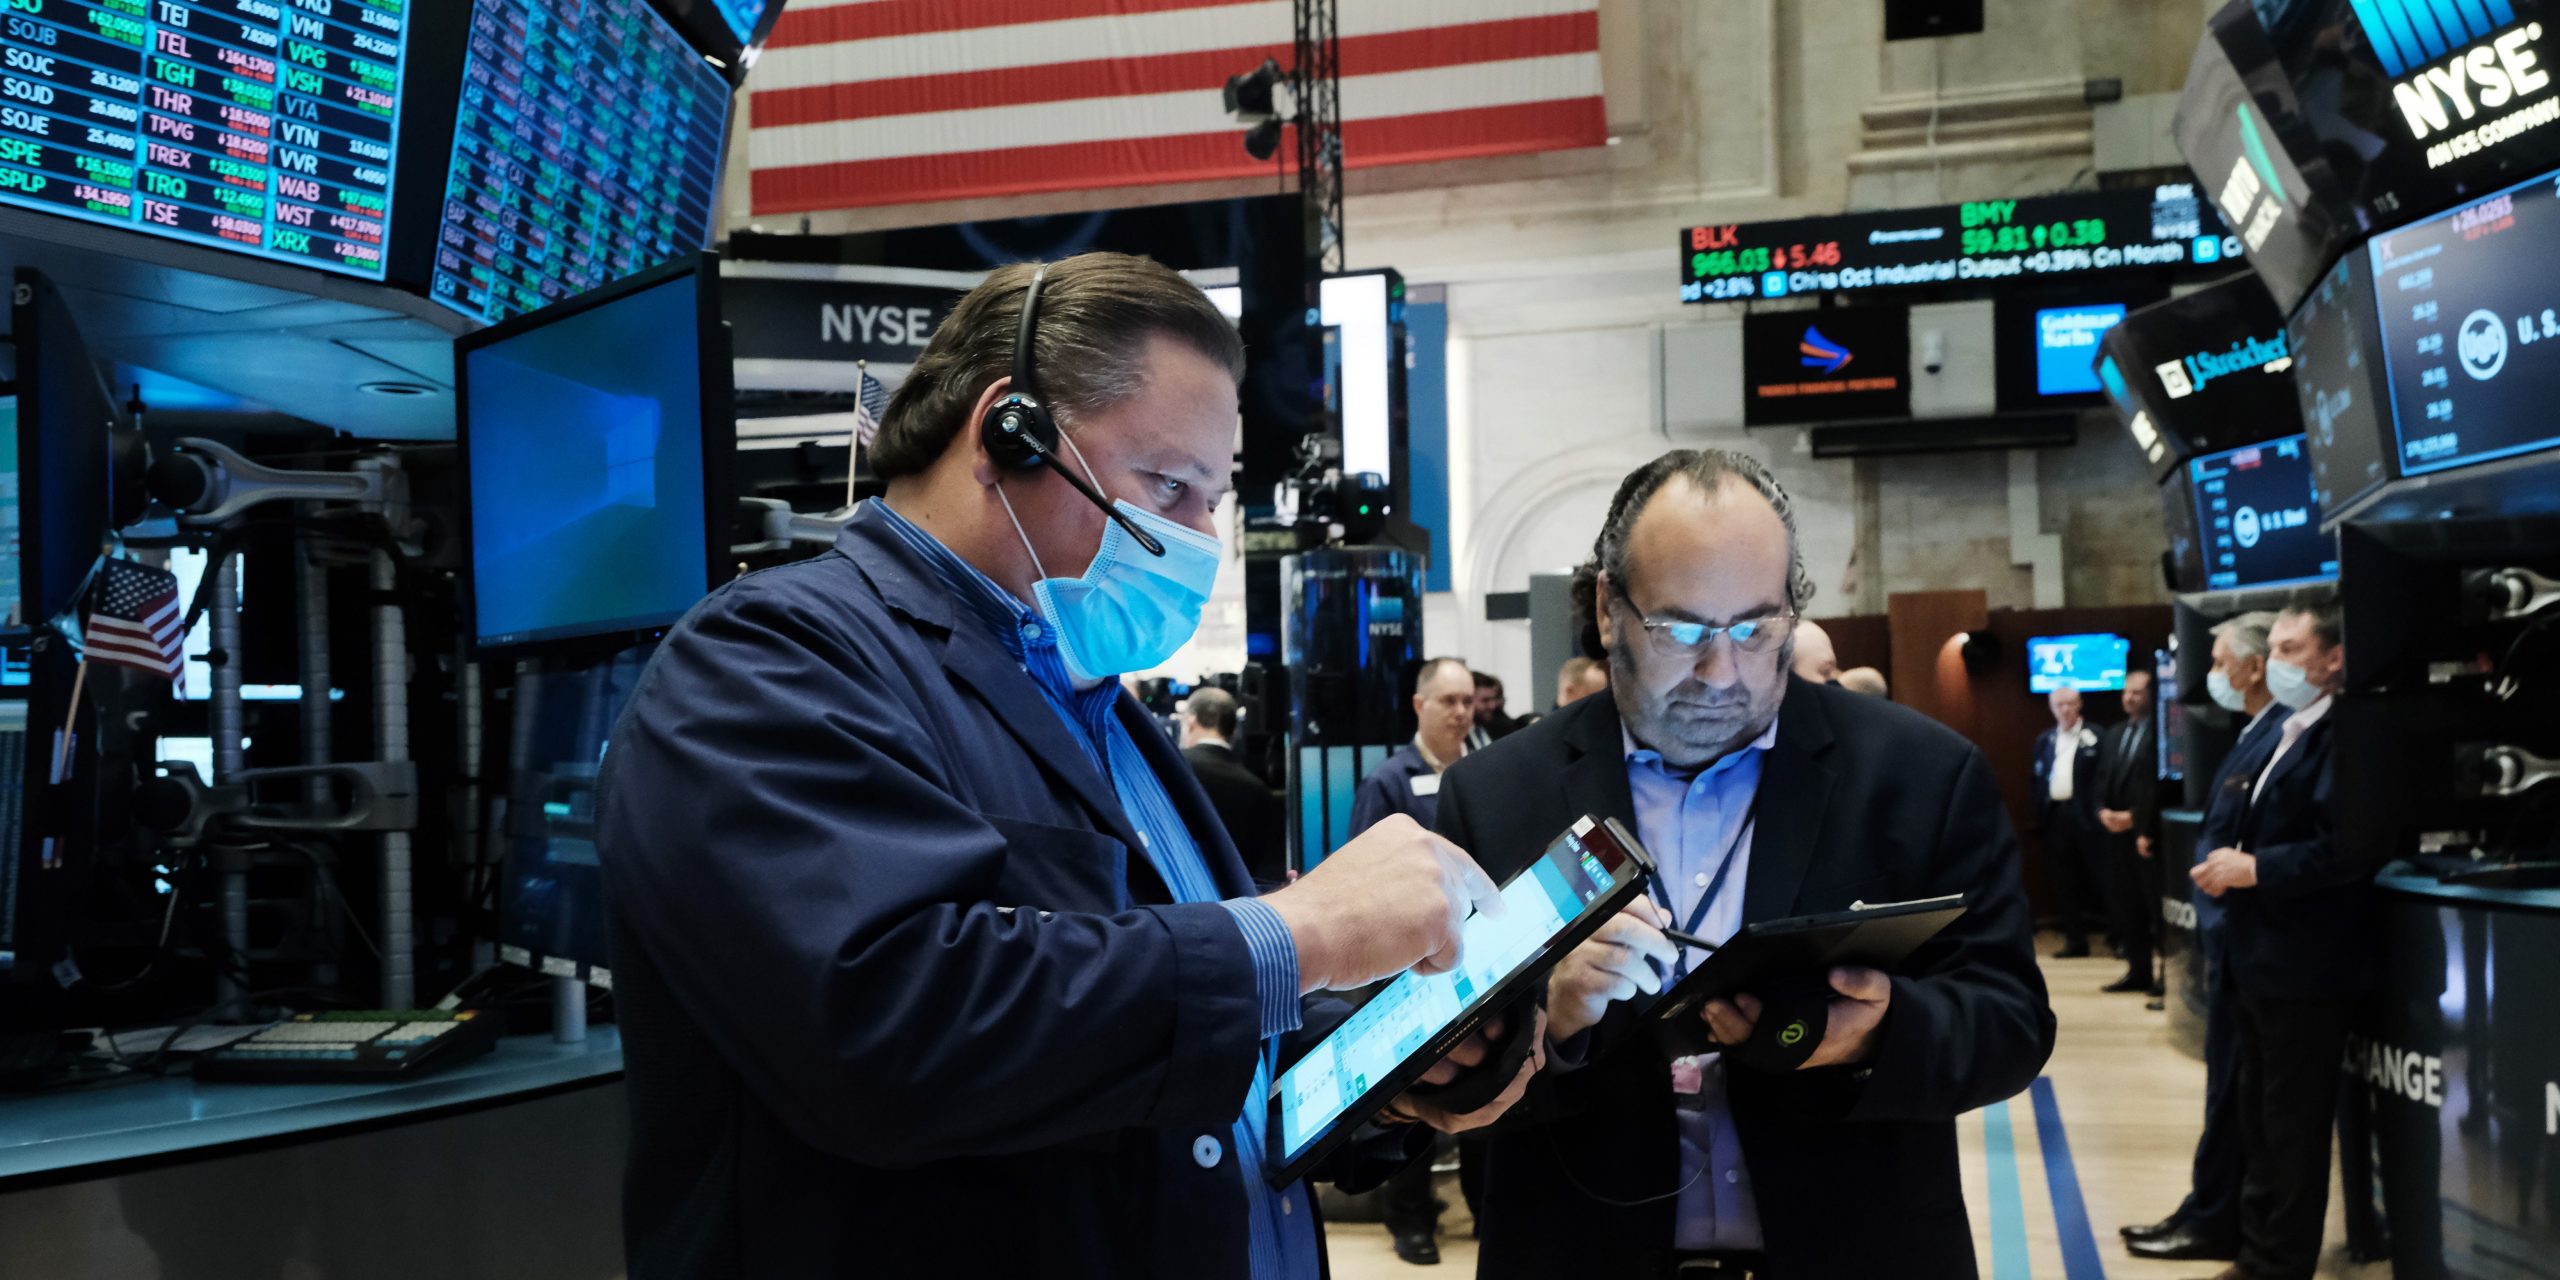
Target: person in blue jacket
[(931, 956)]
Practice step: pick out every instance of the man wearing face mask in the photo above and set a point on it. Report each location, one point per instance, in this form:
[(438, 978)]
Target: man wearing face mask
[(1760, 795), (920, 923), (2207, 1223), (2300, 950)]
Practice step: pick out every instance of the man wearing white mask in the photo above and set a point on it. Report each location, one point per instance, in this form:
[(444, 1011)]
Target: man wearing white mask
[(920, 924), (2301, 950)]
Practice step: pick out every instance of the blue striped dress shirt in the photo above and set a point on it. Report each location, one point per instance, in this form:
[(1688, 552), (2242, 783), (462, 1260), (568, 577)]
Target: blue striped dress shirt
[(1281, 1227)]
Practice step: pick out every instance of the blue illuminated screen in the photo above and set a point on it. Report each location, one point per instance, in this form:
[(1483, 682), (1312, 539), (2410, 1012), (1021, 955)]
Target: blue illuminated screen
[(586, 478), (742, 16), (2090, 663), (2067, 345), (2471, 329), (264, 127)]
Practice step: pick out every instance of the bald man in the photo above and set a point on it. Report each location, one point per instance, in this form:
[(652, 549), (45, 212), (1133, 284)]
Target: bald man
[(1866, 680), (1815, 659)]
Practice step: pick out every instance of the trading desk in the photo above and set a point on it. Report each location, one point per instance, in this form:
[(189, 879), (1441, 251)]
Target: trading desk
[(505, 1166)]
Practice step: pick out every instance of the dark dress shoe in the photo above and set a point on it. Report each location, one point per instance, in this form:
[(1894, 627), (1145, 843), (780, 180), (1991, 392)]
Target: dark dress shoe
[(2076, 951), (2152, 1230), (2129, 983), (1418, 1248), (2186, 1244)]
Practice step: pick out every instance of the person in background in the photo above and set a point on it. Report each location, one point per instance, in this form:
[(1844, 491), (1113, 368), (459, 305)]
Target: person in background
[(1579, 678), (1493, 724), (2128, 811), (2206, 1225), (1866, 680), (1761, 796), (1251, 812), (1408, 784), (2301, 950), (1815, 659), (2066, 770)]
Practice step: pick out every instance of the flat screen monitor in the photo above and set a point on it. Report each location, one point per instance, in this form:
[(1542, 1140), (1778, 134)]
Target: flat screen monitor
[(551, 901), (742, 17), (587, 147), (2207, 370), (65, 416), (265, 127), (2470, 305), (2066, 341), (595, 439), (2089, 663), (2258, 519), (2183, 562), (2168, 717), (1844, 364), (2292, 223), (2337, 376)]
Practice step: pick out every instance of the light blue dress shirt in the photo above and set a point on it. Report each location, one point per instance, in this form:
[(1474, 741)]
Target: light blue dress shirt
[(1281, 1232), (1693, 823)]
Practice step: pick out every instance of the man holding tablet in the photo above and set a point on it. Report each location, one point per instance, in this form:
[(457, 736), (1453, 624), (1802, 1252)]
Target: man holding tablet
[(921, 927), (1760, 797)]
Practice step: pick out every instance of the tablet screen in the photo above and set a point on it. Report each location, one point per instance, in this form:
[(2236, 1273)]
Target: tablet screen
[(1573, 879)]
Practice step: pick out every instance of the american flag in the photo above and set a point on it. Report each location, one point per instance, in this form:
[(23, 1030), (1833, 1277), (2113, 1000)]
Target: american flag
[(870, 404), (134, 616), (877, 102)]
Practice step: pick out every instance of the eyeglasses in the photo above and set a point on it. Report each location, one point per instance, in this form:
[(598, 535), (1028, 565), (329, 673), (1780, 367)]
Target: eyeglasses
[(1679, 638)]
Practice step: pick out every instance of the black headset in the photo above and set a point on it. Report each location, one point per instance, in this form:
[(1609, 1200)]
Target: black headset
[(1018, 432)]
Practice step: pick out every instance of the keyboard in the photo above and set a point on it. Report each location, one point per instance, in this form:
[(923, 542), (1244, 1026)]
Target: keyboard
[(353, 1045)]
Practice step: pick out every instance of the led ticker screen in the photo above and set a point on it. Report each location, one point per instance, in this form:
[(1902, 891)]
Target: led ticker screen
[(1991, 240), (262, 126), (2259, 521), (2471, 329), (587, 148)]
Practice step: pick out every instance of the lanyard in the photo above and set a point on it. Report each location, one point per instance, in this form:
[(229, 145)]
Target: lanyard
[(1715, 885)]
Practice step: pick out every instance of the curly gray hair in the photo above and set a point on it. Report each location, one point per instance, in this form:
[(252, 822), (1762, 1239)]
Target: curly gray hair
[(1706, 468)]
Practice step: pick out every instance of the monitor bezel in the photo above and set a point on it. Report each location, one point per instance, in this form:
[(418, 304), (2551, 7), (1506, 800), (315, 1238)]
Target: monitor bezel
[(719, 442)]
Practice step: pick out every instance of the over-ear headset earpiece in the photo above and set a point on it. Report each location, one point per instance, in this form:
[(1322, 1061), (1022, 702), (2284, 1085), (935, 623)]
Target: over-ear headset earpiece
[(1018, 432)]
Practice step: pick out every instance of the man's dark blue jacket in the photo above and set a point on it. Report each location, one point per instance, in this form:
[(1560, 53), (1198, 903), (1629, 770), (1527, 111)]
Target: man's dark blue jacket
[(901, 994)]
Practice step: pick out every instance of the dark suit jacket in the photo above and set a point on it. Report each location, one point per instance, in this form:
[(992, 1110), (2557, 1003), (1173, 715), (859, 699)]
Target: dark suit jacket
[(2308, 929), (2084, 779), (2224, 805), (1247, 807), (2129, 774), (1855, 1170), (892, 967)]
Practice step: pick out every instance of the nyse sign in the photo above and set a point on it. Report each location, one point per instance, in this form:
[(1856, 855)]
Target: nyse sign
[(833, 319)]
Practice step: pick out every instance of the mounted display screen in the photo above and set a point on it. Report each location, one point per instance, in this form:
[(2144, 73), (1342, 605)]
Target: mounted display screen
[(2337, 377), (1846, 365), (2471, 329), (2201, 371), (261, 126), (1988, 240), (2090, 663), (587, 148), (2259, 523)]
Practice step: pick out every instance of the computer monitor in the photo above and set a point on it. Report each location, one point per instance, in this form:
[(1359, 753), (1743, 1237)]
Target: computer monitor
[(595, 438), (551, 904), (65, 415), (2258, 519), (2088, 663)]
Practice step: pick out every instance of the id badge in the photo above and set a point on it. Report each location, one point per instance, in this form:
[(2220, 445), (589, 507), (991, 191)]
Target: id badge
[(1689, 1081)]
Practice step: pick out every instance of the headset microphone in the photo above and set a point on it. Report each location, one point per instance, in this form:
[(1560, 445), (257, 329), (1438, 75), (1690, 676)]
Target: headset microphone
[(1019, 433)]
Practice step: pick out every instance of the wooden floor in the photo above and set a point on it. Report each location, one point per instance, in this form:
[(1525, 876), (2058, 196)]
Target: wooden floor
[(2130, 1106)]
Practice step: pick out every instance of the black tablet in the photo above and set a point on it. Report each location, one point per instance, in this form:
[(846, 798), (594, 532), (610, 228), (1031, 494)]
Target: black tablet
[(1874, 937), (1585, 877)]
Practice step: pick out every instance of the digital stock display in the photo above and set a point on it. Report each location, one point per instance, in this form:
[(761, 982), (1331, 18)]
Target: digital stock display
[(587, 148), (2471, 329), (263, 126), (2257, 518), (2042, 236), (2337, 377)]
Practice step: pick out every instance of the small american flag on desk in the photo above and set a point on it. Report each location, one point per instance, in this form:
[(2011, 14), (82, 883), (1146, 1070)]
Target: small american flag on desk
[(134, 617)]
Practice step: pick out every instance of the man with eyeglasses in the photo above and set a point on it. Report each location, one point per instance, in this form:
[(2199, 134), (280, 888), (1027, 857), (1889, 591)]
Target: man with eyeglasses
[(1762, 796)]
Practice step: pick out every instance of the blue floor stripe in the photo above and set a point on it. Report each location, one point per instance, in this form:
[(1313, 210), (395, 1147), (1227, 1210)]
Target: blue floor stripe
[(2070, 1216), (2008, 1211)]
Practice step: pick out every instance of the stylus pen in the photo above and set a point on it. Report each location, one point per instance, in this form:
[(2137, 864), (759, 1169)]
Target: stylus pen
[(1688, 940)]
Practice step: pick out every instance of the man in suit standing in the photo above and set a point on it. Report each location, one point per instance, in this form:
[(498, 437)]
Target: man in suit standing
[(2129, 812), (1247, 807), (2207, 1223), (2074, 843), (1761, 796), (2301, 951)]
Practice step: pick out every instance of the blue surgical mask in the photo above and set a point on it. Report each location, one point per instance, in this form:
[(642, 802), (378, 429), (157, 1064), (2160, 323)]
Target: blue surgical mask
[(2291, 684), (2217, 686), (1132, 608)]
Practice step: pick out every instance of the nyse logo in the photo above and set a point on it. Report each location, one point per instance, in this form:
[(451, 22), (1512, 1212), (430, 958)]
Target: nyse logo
[(2451, 62)]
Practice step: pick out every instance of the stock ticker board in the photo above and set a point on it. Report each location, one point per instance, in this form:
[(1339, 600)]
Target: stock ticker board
[(587, 148), (2470, 311), (1988, 240), (260, 126)]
